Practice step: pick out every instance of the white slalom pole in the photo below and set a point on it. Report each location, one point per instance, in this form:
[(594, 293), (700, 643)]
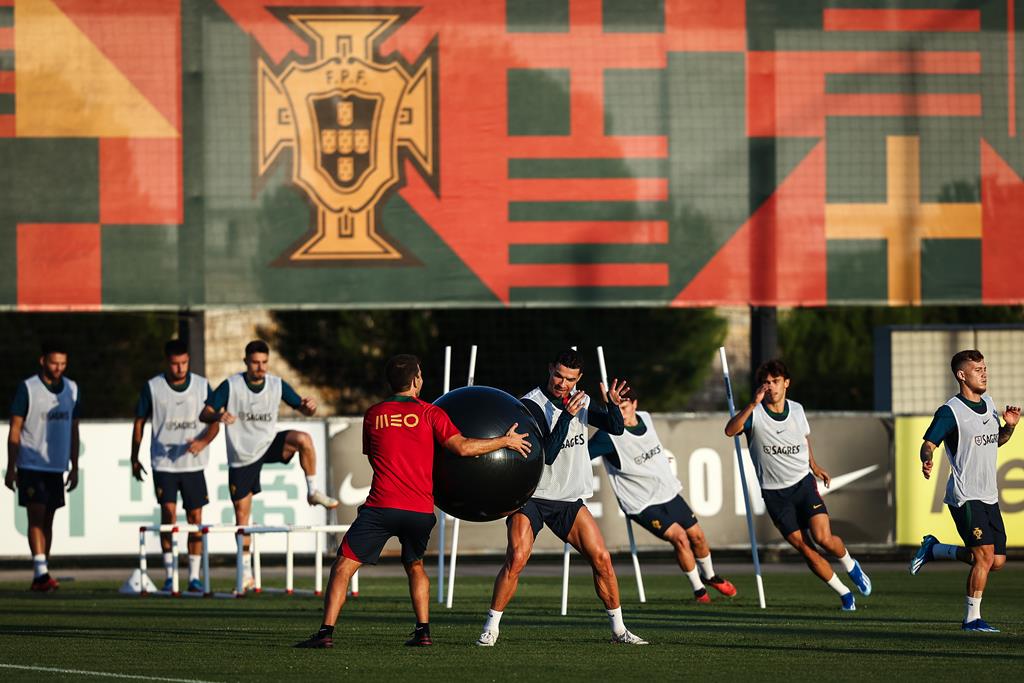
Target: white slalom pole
[(441, 544), (239, 562), (289, 565), (318, 578), (629, 525), (175, 586), (743, 480), (455, 526), (565, 579)]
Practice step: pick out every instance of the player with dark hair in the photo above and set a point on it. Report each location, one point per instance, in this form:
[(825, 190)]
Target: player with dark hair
[(968, 425), (178, 450), (248, 404), (399, 434), (648, 493), (42, 445), (563, 414), (777, 432)]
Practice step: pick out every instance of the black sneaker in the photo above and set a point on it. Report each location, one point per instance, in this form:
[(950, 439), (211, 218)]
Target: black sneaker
[(419, 638), (317, 640)]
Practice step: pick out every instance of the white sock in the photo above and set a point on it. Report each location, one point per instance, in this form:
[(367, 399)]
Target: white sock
[(837, 585), (310, 485), (694, 576), (707, 570), (194, 563), (973, 609), (39, 566), (847, 562), (169, 564), (615, 617), (944, 551), (493, 619)]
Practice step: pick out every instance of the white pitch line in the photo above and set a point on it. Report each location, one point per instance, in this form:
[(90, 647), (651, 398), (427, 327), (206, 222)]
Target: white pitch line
[(103, 674)]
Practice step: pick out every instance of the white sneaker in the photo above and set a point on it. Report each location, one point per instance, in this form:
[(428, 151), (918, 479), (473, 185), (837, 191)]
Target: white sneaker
[(627, 638), (320, 498), (488, 639)]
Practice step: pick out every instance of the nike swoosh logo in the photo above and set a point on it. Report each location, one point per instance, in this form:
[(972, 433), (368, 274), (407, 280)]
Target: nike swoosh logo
[(779, 431), (984, 422), (352, 495), (844, 479), (815, 507)]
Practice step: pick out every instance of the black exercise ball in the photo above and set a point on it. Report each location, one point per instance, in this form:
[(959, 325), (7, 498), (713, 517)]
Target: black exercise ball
[(490, 486)]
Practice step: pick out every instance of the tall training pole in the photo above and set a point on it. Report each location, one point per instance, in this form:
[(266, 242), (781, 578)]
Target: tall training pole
[(565, 571), (743, 480), (440, 536), (629, 524), (455, 526)]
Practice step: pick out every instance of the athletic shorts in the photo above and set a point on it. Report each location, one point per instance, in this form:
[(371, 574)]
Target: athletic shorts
[(36, 486), (374, 526), (791, 508), (557, 515), (980, 524), (192, 486), (246, 479), (658, 518)]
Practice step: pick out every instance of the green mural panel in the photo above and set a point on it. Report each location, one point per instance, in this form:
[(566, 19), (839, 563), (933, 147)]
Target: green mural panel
[(857, 271), (538, 102)]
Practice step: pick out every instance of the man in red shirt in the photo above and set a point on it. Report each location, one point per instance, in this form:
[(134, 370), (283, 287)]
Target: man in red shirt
[(398, 437)]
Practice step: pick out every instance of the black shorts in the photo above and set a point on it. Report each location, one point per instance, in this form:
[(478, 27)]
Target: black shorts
[(791, 508), (246, 479), (192, 485), (558, 515), (658, 518), (374, 526), (36, 486), (980, 524)]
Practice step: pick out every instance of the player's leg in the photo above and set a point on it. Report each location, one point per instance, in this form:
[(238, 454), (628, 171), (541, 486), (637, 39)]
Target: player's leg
[(680, 542), (521, 530), (981, 526), (820, 526), (292, 442), (932, 549), (38, 515), (195, 551), (702, 555), (168, 514), (414, 535), (243, 510), (820, 566)]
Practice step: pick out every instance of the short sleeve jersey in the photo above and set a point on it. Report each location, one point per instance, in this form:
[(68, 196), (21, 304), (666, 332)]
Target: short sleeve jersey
[(398, 437)]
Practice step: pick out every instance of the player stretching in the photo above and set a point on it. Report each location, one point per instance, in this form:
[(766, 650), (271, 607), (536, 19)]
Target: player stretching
[(567, 478), (41, 446), (777, 432), (648, 493), (177, 450), (968, 424), (398, 437), (248, 404)]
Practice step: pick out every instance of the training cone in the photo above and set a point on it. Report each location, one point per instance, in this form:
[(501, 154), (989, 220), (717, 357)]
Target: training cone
[(138, 583)]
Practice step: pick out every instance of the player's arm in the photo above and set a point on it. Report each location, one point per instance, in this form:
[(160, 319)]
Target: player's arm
[(72, 483), (307, 406), (215, 409), (13, 446), (1010, 418), (469, 448), (137, 427), (197, 445), (736, 423), (555, 437), (927, 448), (608, 417), (942, 425), (816, 470)]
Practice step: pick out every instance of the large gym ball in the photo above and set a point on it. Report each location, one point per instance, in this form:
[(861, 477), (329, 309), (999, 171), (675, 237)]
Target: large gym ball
[(490, 486)]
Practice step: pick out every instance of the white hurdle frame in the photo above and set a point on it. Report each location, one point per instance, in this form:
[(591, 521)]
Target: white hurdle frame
[(174, 529)]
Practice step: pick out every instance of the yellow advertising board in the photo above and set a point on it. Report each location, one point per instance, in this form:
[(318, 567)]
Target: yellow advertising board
[(919, 506)]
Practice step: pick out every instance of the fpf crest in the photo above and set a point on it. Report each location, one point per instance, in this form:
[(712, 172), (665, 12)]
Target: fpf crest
[(348, 117)]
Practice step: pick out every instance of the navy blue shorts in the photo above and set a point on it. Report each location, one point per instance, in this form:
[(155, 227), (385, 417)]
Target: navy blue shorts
[(375, 526), (246, 479), (38, 487), (791, 508), (192, 486), (980, 524), (557, 515), (658, 518)]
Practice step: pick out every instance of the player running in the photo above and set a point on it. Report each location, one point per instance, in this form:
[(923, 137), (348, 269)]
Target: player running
[(968, 424), (648, 492), (42, 445), (563, 414), (177, 449), (399, 434), (248, 404), (777, 432)]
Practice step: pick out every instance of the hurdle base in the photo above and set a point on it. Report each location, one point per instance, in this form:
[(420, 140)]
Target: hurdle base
[(138, 583)]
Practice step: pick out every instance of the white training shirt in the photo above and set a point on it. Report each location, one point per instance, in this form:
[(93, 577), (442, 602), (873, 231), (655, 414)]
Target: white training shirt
[(176, 423), (570, 477), (644, 476), (779, 448), (255, 419), (46, 431), (972, 473)]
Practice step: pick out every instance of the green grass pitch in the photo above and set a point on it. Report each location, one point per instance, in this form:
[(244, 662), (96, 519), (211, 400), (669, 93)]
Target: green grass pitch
[(909, 628)]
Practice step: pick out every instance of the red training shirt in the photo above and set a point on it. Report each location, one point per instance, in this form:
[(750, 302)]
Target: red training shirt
[(398, 437)]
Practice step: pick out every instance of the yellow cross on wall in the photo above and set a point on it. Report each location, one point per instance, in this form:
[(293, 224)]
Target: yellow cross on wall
[(903, 221)]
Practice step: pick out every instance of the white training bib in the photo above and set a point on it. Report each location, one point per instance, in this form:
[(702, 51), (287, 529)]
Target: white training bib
[(779, 449), (255, 419), (570, 477), (176, 423), (972, 473), (46, 431), (644, 476)]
